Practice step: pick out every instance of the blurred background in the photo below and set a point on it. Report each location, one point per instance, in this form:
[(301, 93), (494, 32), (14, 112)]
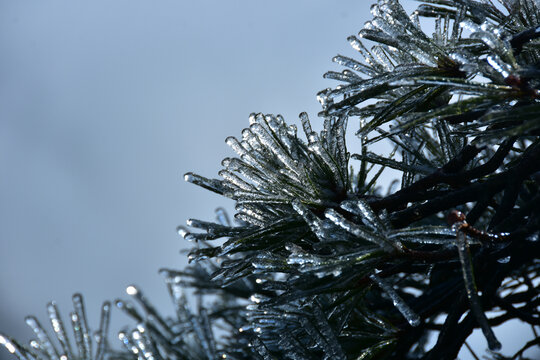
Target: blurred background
[(104, 105)]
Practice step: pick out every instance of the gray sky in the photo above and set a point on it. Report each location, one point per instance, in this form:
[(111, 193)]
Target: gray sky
[(105, 104)]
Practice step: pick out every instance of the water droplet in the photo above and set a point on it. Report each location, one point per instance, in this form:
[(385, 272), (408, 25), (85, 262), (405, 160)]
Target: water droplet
[(131, 290)]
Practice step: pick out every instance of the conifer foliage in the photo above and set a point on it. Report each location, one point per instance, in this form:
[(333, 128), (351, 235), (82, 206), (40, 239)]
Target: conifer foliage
[(320, 262)]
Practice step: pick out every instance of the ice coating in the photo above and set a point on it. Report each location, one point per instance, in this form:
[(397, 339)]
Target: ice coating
[(59, 329), (357, 230), (43, 347), (44, 341), (472, 293), (412, 318)]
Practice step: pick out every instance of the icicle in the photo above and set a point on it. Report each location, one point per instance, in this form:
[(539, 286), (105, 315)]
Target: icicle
[(312, 263), (279, 128), (356, 230), (208, 333), (103, 330), (144, 347), (370, 352), (271, 144), (252, 174), (403, 308), (236, 146), (362, 209), (258, 346), (318, 149), (253, 117), (441, 235), (200, 333), (213, 230), (234, 181), (437, 35), (136, 293), (316, 337), (210, 184), (14, 348), (499, 66), (336, 143), (258, 156), (128, 344), (222, 217), (345, 76), (267, 262), (249, 197), (59, 329), (358, 46), (251, 215), (78, 305), (333, 349), (353, 64), (45, 342), (313, 221), (488, 35), (176, 292), (129, 309), (249, 219), (472, 294), (182, 231), (79, 336), (252, 140)]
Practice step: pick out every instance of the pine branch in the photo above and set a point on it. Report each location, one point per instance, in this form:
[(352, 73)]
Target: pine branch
[(318, 264)]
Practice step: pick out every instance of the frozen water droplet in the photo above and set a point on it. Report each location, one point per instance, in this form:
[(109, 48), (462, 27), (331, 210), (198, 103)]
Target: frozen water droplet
[(182, 231), (131, 290), (7, 344)]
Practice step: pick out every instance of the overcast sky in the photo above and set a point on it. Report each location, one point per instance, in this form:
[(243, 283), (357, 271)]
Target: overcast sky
[(104, 105)]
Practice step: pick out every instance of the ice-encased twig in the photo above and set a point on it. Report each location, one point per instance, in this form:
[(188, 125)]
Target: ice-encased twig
[(261, 350), (144, 343), (362, 209), (320, 340), (59, 329), (78, 305), (275, 166), (210, 184), (440, 235), (311, 219), (128, 343), (13, 347), (150, 310), (332, 347), (412, 318), (44, 349), (472, 293), (204, 334), (101, 336), (357, 230), (78, 334), (44, 341)]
